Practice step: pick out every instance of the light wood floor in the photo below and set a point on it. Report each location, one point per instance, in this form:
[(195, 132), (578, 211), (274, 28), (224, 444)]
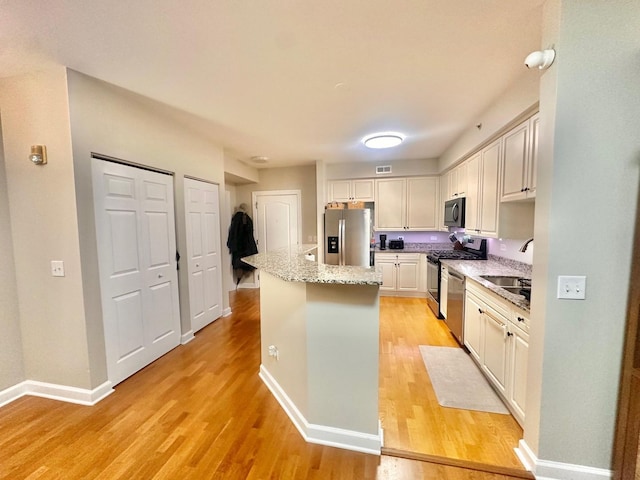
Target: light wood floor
[(199, 412), (412, 419)]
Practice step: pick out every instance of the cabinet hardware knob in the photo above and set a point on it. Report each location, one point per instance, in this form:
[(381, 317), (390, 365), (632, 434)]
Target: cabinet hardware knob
[(509, 334), (527, 189), (160, 275), (522, 189), (197, 265), (520, 319), (480, 310)]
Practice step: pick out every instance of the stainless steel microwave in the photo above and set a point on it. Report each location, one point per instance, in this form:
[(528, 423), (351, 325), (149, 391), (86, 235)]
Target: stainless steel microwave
[(454, 212)]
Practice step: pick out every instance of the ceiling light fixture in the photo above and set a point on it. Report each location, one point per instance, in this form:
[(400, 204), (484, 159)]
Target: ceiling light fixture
[(383, 140), (259, 159)]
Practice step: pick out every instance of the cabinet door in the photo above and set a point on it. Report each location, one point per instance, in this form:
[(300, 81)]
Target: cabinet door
[(515, 163), (422, 198), (473, 325), (473, 194), (494, 360), (363, 190), (407, 280), (389, 273), (444, 192), (453, 184), (489, 190), (532, 173), (518, 372), (340, 191), (462, 179), (444, 290), (391, 202)]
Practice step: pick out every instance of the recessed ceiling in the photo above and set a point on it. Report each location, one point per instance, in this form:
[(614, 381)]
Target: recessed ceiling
[(294, 81)]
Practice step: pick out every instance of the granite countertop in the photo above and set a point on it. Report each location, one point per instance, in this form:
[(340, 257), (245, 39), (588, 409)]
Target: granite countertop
[(292, 266), (473, 269)]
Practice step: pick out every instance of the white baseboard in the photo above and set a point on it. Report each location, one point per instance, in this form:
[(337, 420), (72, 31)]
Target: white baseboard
[(226, 312), (62, 393), (548, 470), (186, 337), (321, 434)]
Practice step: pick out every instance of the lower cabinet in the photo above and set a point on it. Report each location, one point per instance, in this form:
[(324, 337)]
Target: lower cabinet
[(444, 290), (496, 334), (401, 274)]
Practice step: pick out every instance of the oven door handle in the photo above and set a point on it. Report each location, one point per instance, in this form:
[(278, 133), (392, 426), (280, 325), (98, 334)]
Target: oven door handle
[(454, 213)]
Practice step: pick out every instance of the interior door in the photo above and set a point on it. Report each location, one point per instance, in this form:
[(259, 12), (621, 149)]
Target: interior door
[(277, 219), (202, 215), (135, 229)]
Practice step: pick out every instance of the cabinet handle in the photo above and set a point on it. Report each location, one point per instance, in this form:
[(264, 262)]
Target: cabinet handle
[(522, 189), (520, 319), (509, 334), (527, 189), (480, 311)]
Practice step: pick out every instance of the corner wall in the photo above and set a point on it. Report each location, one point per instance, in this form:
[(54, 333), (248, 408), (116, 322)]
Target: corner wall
[(111, 121), (11, 361)]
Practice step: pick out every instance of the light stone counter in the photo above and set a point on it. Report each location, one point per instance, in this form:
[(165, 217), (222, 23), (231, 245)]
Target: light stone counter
[(473, 269), (291, 265), (320, 336)]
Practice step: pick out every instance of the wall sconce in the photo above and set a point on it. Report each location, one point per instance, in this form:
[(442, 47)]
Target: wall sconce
[(38, 154), (541, 59)]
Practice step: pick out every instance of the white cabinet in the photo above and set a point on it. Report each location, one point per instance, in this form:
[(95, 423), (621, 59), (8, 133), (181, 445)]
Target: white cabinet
[(457, 182), (484, 214), (444, 289), (401, 274), (443, 197), (406, 203), (494, 359), (351, 190), (496, 334), (519, 161)]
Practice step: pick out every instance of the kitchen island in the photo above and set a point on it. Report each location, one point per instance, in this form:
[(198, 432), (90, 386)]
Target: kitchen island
[(319, 327)]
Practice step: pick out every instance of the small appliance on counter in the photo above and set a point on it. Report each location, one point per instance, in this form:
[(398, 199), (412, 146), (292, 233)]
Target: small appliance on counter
[(383, 241), (396, 244)]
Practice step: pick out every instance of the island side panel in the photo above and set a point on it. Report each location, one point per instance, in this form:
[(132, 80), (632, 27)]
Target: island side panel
[(342, 355), (283, 324)]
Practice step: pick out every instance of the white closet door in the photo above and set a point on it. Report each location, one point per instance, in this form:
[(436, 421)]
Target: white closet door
[(135, 229), (203, 252)]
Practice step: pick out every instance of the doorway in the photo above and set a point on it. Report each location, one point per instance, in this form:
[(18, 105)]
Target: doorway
[(135, 233), (278, 220), (202, 218)]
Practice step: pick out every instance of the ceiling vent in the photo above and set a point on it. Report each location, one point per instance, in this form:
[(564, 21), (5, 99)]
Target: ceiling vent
[(383, 170)]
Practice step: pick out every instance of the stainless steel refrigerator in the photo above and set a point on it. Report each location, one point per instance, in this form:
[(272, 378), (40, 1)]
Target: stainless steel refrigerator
[(347, 235)]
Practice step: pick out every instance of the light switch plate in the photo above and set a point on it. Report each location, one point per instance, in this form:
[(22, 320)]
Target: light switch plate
[(57, 268), (572, 287)]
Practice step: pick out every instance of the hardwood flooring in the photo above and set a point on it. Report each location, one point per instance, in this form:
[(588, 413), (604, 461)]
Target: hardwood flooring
[(412, 419), (201, 412)]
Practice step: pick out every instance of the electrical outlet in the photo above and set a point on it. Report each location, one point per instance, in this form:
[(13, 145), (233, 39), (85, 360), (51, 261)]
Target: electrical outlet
[(57, 268), (503, 247), (572, 287), (433, 238), (273, 352), (400, 237)]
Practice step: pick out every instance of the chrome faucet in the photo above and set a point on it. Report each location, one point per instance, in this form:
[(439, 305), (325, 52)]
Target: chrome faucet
[(524, 246)]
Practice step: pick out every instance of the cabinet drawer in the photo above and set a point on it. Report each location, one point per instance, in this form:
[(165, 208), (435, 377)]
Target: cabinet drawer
[(520, 319)]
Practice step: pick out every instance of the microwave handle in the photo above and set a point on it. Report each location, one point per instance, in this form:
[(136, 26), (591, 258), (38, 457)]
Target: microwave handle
[(454, 215)]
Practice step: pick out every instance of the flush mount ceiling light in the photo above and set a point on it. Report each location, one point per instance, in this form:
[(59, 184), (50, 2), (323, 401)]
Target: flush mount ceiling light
[(383, 140), (259, 159)]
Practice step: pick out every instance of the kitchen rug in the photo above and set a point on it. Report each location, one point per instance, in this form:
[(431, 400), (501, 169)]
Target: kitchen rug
[(458, 382)]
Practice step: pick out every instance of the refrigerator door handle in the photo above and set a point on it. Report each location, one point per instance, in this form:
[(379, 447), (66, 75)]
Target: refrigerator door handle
[(341, 242)]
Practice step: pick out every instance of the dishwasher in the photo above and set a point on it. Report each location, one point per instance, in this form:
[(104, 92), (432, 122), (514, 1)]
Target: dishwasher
[(455, 306)]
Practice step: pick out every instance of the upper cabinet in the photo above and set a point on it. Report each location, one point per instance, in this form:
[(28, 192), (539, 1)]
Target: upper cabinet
[(520, 161), (484, 214), (455, 182), (406, 203), (351, 190)]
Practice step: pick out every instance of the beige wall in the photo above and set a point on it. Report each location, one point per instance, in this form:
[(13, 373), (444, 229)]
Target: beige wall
[(522, 96), (11, 362), (400, 168), (50, 213), (44, 228), (111, 121), (301, 178)]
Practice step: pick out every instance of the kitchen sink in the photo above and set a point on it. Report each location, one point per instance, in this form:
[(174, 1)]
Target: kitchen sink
[(503, 281)]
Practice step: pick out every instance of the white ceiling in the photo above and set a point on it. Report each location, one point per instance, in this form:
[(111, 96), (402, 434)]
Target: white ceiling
[(294, 80)]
